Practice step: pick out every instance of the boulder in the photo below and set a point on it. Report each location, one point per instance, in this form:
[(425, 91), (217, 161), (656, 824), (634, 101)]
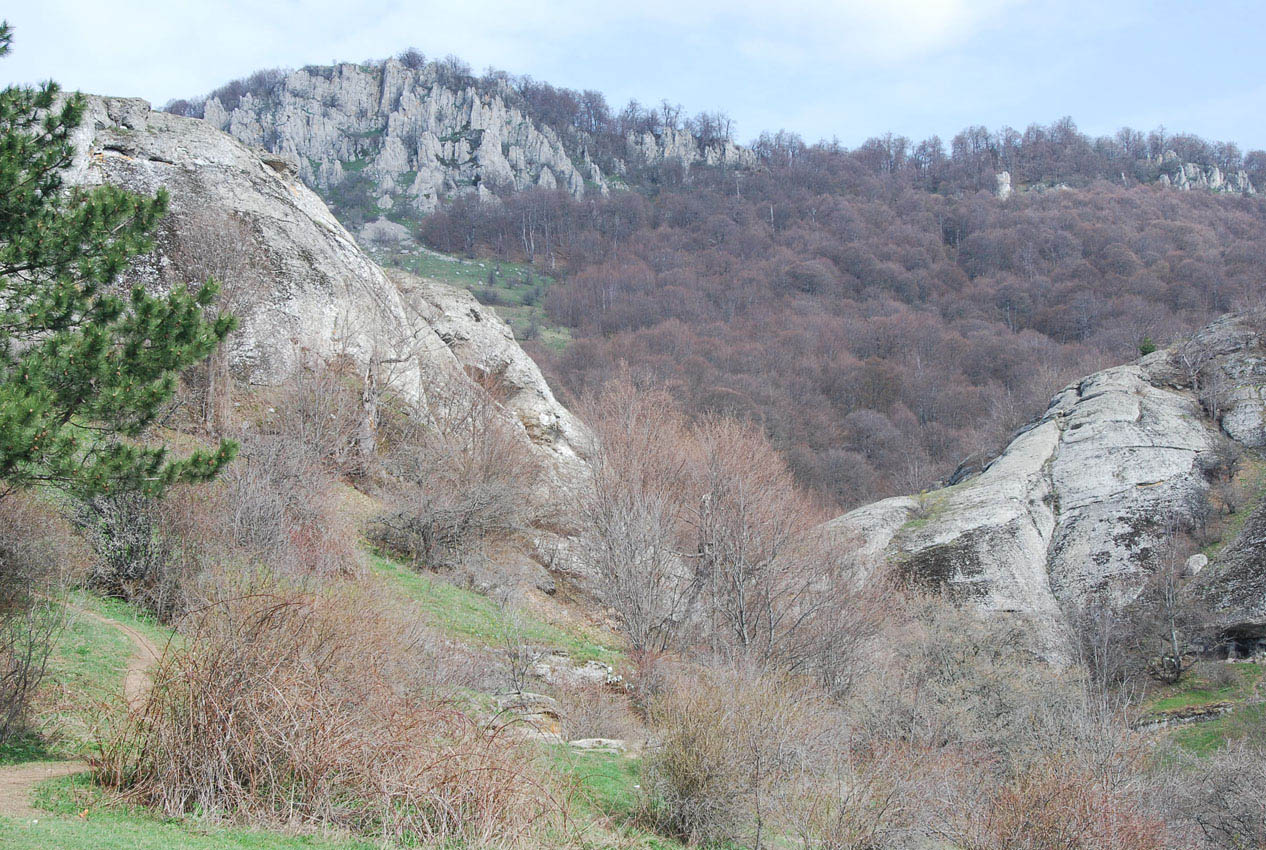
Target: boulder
[(1077, 506), (533, 715), (599, 745)]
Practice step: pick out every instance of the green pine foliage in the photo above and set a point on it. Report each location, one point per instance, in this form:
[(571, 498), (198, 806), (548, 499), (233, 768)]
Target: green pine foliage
[(85, 370)]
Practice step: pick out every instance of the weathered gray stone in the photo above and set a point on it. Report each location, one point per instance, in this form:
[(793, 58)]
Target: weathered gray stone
[(1077, 506), (421, 140), (321, 294), (1002, 188)]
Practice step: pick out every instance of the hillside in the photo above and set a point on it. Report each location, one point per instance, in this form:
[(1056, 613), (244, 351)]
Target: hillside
[(887, 313), (425, 603)]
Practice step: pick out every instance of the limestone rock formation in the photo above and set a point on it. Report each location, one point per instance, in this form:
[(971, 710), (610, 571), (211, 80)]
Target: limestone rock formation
[(420, 136), (1233, 589), (1077, 506), (1191, 175), (1002, 187), (318, 294)]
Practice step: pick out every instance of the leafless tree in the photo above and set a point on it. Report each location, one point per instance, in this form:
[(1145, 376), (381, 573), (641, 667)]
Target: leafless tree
[(462, 475), (227, 250), (1166, 623)]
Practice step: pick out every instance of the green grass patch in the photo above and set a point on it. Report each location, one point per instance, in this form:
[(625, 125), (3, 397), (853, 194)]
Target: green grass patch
[(1251, 479), (125, 613), (1197, 690), (609, 783), (1246, 721), (84, 684), (516, 291), (27, 747), (108, 826), (478, 620), (608, 791)]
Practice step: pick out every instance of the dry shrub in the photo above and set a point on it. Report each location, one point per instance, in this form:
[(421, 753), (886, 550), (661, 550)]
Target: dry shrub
[(865, 801), (697, 533), (274, 505), (592, 710), (1010, 752), (1058, 803), (1219, 798), (731, 750), (633, 534), (282, 708), (136, 555), (322, 407), (36, 552), (463, 476), (944, 675)]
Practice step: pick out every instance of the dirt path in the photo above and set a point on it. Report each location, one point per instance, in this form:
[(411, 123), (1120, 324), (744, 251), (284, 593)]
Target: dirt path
[(145, 654), (18, 781)]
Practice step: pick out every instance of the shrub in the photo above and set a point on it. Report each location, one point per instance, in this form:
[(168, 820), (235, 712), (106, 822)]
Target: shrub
[(33, 546), (697, 531), (1059, 803), (1219, 798), (730, 747), (135, 557), (284, 708), (591, 710), (464, 476), (274, 507)]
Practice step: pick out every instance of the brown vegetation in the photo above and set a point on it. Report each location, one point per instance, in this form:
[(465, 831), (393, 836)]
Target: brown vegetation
[(880, 317), (459, 475), (286, 708), (37, 559), (699, 537)]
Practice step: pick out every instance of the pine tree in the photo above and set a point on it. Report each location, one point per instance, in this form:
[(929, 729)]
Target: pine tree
[(85, 370)]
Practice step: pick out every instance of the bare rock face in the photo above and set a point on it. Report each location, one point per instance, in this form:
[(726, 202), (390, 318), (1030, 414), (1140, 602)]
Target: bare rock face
[(1233, 588), (1190, 175), (420, 137), (319, 295), (1002, 185), (1078, 504)]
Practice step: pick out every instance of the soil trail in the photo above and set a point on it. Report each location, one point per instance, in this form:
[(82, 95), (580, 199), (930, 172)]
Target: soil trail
[(145, 654), (18, 781)]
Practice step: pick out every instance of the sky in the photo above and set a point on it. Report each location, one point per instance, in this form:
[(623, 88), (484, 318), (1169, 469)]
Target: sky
[(826, 69)]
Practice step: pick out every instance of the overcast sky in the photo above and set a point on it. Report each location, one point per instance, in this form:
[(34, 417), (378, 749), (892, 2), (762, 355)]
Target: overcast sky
[(847, 69)]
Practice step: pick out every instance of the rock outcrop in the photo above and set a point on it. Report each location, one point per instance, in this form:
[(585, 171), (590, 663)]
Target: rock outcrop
[(1078, 505), (317, 293), (1166, 170), (420, 135), (1191, 175), (1233, 589)]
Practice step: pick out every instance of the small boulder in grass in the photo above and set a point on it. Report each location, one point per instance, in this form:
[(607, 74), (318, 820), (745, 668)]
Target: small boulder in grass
[(599, 745)]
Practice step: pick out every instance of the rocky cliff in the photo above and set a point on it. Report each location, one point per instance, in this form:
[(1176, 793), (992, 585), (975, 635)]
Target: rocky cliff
[(1166, 170), (1081, 501), (420, 135), (316, 293)]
